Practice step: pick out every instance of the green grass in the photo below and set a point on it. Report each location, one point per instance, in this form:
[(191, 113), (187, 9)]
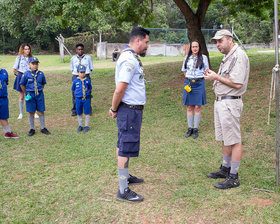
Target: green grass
[(71, 177)]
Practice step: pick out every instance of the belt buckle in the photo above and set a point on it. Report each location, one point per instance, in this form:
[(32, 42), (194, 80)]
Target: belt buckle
[(192, 80)]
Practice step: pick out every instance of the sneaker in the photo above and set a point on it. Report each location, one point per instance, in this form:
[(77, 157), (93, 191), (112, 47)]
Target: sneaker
[(74, 114), (45, 131), (230, 182), (20, 116), (86, 129), (80, 128), (134, 180), (11, 135), (195, 133), (31, 132), (189, 133), (129, 196), (223, 172), (36, 115)]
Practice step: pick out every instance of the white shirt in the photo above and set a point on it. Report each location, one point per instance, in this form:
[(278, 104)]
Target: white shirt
[(129, 70), (83, 60)]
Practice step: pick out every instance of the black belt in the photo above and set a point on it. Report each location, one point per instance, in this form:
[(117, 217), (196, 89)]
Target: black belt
[(195, 80), (227, 98), (137, 107)]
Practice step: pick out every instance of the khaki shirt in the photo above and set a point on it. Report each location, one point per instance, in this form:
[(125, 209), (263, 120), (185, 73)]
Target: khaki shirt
[(235, 66)]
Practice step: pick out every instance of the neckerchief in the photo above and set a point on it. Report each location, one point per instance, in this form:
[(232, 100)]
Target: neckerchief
[(35, 82), (80, 58), (193, 66), (135, 55), (84, 87)]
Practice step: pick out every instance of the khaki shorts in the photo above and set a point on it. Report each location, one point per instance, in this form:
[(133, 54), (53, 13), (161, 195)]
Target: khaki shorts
[(226, 117)]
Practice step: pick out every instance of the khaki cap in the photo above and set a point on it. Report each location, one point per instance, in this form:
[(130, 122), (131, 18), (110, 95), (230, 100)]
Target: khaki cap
[(219, 35)]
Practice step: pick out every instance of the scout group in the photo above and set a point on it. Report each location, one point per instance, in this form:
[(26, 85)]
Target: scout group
[(30, 82), (129, 98)]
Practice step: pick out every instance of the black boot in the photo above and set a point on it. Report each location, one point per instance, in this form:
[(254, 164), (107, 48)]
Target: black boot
[(195, 133), (189, 133), (230, 182), (223, 172)]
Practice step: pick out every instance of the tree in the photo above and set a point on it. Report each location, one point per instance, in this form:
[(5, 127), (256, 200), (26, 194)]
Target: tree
[(194, 12)]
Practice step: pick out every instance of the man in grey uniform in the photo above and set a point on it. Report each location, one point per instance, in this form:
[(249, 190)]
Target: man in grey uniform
[(127, 106), (229, 85)]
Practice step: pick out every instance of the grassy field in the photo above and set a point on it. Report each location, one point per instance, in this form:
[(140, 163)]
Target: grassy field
[(71, 177)]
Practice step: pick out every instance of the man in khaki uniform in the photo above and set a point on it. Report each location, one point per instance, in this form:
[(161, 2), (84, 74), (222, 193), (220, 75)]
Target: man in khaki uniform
[(229, 85)]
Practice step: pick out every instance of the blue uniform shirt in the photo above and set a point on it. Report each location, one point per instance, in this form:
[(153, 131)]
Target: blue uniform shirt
[(129, 70), (82, 88), (4, 79), (28, 80), (83, 60), (21, 64), (191, 71)]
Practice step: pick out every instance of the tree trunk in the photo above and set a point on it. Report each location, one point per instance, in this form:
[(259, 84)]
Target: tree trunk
[(194, 21)]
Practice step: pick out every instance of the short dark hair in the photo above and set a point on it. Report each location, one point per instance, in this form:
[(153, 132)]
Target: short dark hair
[(138, 31), (80, 45)]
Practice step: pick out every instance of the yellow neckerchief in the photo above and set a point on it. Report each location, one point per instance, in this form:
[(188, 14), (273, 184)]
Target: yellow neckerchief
[(84, 87), (35, 81), (1, 87)]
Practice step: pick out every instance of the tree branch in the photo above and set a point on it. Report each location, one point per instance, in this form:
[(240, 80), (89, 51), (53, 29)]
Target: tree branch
[(202, 9), (185, 9)]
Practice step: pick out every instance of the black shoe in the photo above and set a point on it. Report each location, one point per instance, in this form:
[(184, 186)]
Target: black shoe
[(45, 131), (230, 182), (129, 196), (80, 128), (86, 129), (31, 132), (195, 133), (134, 180), (189, 133), (223, 172), (74, 114)]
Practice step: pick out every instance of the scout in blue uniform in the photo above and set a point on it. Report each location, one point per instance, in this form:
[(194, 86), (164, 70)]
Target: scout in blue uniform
[(79, 59), (32, 84), (4, 104), (127, 106), (81, 89)]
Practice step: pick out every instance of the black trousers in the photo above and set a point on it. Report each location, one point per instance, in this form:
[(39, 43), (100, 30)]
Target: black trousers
[(73, 95)]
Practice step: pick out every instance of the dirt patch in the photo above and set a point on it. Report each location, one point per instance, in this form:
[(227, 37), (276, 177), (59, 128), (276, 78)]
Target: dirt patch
[(260, 202), (18, 176)]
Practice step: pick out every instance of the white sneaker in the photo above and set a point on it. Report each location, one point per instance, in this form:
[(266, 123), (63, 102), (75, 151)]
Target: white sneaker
[(36, 115), (20, 116)]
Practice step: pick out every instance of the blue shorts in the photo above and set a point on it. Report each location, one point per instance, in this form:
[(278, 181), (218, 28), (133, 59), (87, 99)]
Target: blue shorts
[(129, 125), (83, 106), (4, 108), (197, 96), (36, 102), (17, 81)]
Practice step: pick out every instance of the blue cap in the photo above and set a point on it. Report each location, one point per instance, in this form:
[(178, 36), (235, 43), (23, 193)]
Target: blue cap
[(33, 59), (81, 68)]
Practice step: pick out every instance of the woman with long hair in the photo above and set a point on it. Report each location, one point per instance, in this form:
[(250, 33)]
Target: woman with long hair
[(20, 66), (194, 95)]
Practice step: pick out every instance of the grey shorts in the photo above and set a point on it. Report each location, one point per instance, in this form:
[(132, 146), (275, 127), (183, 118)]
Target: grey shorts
[(227, 124)]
